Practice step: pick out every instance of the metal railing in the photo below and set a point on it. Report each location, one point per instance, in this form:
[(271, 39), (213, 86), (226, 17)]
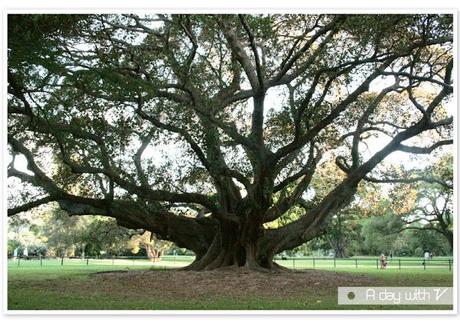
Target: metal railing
[(399, 263), (290, 262), (38, 261)]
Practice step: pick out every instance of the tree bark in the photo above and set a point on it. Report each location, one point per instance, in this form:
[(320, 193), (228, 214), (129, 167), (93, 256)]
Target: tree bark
[(450, 238), (235, 245)]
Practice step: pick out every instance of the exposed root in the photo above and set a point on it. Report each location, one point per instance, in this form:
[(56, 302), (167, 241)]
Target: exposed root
[(277, 267)]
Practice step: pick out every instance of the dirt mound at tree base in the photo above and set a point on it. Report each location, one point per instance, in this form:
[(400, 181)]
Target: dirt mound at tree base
[(233, 282)]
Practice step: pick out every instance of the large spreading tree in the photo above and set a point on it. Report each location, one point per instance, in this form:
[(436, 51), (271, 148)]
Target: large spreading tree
[(203, 129)]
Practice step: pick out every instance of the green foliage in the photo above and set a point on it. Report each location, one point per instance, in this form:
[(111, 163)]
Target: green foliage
[(33, 39), (378, 234), (431, 241), (103, 234)]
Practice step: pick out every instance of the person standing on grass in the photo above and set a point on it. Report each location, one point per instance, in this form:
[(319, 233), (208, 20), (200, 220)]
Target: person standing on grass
[(383, 261)]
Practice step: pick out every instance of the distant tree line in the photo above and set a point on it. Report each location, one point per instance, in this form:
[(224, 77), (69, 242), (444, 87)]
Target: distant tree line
[(51, 232)]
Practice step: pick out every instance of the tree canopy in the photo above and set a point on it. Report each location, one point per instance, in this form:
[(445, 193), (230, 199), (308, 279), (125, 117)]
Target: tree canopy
[(202, 129)]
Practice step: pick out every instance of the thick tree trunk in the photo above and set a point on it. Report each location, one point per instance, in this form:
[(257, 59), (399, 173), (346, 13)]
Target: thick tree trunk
[(235, 245), (340, 252), (339, 247), (153, 254)]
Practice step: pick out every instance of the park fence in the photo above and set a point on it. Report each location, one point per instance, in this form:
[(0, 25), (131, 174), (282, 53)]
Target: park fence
[(38, 261), (174, 261), (395, 263)]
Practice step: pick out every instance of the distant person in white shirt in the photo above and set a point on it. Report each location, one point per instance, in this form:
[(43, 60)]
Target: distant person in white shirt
[(383, 261)]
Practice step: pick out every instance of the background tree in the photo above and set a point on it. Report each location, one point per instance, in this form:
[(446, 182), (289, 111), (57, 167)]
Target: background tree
[(379, 234), (63, 234), (204, 128), (103, 236), (342, 230), (433, 206), (154, 247), (51, 232), (24, 232)]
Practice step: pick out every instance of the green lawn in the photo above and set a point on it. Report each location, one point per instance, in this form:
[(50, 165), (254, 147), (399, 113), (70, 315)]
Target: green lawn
[(72, 286)]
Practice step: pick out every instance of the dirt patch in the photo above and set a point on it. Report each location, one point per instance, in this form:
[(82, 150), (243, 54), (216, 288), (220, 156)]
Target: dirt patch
[(174, 284), (180, 285)]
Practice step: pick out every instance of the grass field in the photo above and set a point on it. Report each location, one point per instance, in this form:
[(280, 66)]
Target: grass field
[(74, 285)]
